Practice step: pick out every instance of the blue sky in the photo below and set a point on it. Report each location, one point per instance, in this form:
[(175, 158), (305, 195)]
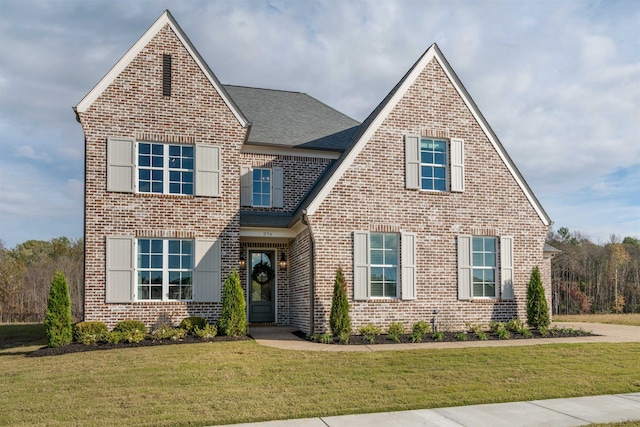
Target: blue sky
[(559, 82)]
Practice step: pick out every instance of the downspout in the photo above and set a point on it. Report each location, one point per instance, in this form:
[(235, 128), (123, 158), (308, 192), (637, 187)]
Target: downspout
[(312, 250)]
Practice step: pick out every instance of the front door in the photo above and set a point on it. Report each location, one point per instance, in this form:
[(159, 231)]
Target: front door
[(262, 281)]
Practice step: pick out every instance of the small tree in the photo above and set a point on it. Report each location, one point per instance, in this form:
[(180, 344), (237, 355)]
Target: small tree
[(57, 321), (233, 319), (339, 321), (537, 309)]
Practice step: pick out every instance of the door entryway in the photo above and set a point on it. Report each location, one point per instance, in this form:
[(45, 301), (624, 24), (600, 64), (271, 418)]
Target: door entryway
[(262, 280)]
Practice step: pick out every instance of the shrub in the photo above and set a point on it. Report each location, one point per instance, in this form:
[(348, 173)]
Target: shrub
[(525, 332), (326, 338), (130, 331), (339, 320), (395, 330), (190, 324), (421, 327), (233, 319), (515, 325), (416, 337), (208, 331), (537, 309), (461, 336), (57, 321), (88, 333), (166, 332), (482, 335), (369, 332), (475, 328), (114, 337), (438, 336), (344, 337)]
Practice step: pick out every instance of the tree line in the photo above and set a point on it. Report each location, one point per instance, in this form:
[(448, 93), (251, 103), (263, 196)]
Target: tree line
[(586, 277), (26, 272), (594, 278)]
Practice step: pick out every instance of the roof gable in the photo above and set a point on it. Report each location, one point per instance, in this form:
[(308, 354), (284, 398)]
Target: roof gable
[(165, 19), (382, 111)]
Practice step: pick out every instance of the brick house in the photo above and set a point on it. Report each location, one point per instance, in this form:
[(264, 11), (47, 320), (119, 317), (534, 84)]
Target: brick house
[(188, 179)]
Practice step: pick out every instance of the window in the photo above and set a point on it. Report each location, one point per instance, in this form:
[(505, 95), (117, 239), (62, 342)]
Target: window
[(261, 187), (384, 264), (433, 164), (165, 269), (484, 267), (157, 168), (165, 169), (481, 274)]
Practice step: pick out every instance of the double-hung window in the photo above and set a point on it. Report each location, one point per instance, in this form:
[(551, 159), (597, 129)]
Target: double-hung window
[(261, 187), (485, 267), (433, 164), (161, 168), (384, 265), (383, 248), (165, 269), (165, 168)]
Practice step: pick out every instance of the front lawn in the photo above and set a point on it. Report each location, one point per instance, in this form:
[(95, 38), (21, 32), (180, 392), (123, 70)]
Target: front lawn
[(231, 382), (616, 319)]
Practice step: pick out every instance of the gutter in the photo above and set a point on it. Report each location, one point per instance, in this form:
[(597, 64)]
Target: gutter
[(305, 220)]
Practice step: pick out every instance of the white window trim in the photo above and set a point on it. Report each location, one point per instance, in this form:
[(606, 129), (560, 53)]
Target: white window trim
[(165, 271), (495, 268), (447, 162), (397, 267), (165, 168)]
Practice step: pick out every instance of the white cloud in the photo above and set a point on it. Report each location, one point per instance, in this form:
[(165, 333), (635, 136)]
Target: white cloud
[(597, 50), (28, 152)]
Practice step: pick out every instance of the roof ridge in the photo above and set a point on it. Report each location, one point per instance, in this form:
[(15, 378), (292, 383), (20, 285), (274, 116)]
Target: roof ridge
[(265, 88)]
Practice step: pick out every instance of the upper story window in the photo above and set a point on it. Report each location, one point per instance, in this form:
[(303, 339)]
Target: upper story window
[(165, 169), (484, 266), (165, 269), (160, 168), (261, 187), (383, 249), (433, 164)]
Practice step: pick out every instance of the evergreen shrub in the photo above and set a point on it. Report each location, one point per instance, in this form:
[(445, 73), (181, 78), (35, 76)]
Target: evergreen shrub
[(57, 320)]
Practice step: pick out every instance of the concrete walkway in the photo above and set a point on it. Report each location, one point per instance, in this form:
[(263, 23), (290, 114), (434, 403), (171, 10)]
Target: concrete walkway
[(577, 411), (282, 337)]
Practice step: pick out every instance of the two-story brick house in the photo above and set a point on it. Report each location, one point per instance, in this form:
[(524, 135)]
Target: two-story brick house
[(188, 179)]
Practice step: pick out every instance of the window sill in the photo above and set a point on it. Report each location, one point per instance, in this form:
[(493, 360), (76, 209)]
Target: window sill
[(381, 300), (158, 302), (435, 193), (164, 196)]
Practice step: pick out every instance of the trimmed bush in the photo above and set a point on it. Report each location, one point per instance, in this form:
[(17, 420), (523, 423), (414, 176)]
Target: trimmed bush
[(57, 321), (190, 324), (129, 331), (339, 320), (166, 332), (233, 319), (208, 331), (369, 332), (88, 333), (421, 327), (537, 309)]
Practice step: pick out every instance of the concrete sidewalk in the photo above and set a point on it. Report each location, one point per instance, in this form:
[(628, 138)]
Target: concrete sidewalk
[(577, 411), (282, 337)]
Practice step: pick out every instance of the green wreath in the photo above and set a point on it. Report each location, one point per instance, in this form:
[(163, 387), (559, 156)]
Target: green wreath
[(262, 273)]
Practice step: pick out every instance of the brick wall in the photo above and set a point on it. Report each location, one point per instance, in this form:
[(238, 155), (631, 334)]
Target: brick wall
[(372, 196), (133, 106)]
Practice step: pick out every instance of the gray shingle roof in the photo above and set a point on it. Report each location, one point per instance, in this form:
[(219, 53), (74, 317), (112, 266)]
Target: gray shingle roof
[(292, 119)]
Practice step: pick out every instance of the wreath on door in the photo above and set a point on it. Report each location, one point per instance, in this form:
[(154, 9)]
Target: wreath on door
[(262, 273)]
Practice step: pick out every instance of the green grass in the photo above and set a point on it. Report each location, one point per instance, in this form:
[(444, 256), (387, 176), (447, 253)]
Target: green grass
[(231, 382), (616, 319)]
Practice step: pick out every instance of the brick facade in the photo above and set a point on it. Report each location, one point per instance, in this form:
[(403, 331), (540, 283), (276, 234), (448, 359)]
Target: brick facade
[(133, 106), (371, 195)]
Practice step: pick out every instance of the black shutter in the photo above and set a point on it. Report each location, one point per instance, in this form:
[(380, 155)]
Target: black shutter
[(166, 75)]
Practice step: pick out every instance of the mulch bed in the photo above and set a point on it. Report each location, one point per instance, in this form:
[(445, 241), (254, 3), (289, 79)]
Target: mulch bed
[(452, 337), (77, 347)]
